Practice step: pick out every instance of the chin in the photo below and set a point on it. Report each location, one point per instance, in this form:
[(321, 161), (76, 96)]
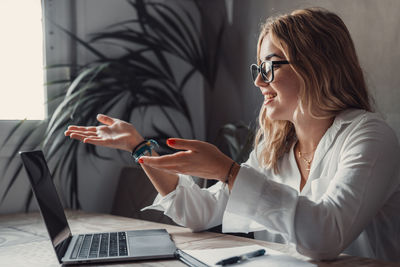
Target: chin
[(274, 118), (274, 115)]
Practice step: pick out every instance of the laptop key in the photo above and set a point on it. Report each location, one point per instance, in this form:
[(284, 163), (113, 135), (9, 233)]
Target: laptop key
[(123, 250), (94, 247), (78, 244), (83, 253), (103, 252), (113, 250)]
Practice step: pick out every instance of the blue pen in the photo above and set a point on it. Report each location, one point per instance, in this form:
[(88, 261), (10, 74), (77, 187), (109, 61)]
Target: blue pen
[(242, 257)]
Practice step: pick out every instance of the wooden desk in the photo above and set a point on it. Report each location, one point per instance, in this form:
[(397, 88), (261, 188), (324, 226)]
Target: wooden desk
[(24, 240)]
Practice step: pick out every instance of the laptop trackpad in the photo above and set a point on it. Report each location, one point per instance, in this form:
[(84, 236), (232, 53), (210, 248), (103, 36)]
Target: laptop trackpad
[(150, 243)]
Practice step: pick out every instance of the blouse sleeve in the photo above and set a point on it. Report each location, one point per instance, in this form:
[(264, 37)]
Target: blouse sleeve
[(367, 175), (193, 207)]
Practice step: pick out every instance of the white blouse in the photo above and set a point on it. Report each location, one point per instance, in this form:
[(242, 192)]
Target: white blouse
[(350, 202)]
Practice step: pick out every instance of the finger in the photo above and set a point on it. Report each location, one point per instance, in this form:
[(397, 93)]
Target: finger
[(165, 161), (105, 119), (77, 136), (184, 144), (81, 128), (68, 132), (87, 133)]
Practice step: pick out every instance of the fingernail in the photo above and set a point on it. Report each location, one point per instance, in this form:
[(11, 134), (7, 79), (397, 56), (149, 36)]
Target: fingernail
[(140, 160), (171, 142)]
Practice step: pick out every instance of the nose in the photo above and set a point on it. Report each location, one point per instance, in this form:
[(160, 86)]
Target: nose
[(259, 82)]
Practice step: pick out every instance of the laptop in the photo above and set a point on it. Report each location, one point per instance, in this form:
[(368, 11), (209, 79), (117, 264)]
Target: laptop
[(92, 247)]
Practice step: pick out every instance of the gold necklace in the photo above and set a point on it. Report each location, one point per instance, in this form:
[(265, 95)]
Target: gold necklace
[(306, 161)]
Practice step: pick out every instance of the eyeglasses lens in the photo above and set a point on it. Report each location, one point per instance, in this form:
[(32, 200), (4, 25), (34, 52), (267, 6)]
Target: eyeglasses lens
[(254, 71), (266, 71)]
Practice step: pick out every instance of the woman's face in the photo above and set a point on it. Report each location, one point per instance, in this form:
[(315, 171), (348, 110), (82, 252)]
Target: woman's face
[(280, 95)]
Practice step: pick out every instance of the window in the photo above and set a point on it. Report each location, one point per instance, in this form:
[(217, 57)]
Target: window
[(21, 67)]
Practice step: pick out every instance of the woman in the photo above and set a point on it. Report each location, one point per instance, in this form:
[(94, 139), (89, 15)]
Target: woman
[(324, 174)]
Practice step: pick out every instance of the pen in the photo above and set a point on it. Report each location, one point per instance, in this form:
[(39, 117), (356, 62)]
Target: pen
[(242, 257)]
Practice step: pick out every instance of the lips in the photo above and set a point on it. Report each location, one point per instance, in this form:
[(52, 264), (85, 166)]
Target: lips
[(268, 97)]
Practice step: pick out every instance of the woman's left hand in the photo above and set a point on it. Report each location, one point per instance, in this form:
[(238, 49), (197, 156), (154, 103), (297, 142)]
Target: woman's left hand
[(199, 159)]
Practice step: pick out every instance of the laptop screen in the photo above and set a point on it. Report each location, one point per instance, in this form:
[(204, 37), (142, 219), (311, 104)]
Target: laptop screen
[(47, 198)]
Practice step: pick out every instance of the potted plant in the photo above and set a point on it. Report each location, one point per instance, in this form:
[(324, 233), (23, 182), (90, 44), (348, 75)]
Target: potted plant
[(139, 79)]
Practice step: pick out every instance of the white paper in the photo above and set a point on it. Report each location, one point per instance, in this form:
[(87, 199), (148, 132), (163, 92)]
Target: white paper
[(271, 257)]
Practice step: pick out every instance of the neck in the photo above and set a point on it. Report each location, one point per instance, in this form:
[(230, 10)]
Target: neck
[(309, 132)]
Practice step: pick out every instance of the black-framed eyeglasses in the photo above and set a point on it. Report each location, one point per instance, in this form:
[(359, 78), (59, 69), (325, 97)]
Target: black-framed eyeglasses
[(266, 68)]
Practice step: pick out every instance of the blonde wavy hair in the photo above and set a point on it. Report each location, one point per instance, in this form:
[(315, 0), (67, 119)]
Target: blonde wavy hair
[(319, 47)]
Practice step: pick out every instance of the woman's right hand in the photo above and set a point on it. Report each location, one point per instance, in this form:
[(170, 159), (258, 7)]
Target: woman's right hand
[(114, 133)]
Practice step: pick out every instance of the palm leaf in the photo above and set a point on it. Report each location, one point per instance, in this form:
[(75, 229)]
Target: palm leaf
[(141, 79), (239, 139), (79, 40), (12, 132)]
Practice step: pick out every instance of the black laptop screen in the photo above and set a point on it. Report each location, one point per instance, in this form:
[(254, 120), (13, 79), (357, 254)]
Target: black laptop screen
[(47, 199)]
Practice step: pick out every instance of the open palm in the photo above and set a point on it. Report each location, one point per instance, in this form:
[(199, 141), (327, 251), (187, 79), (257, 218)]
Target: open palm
[(114, 133)]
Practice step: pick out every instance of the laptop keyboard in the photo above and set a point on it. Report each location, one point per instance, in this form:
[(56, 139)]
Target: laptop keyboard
[(100, 245)]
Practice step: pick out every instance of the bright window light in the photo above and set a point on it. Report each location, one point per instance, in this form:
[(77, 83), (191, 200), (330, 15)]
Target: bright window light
[(21, 61)]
